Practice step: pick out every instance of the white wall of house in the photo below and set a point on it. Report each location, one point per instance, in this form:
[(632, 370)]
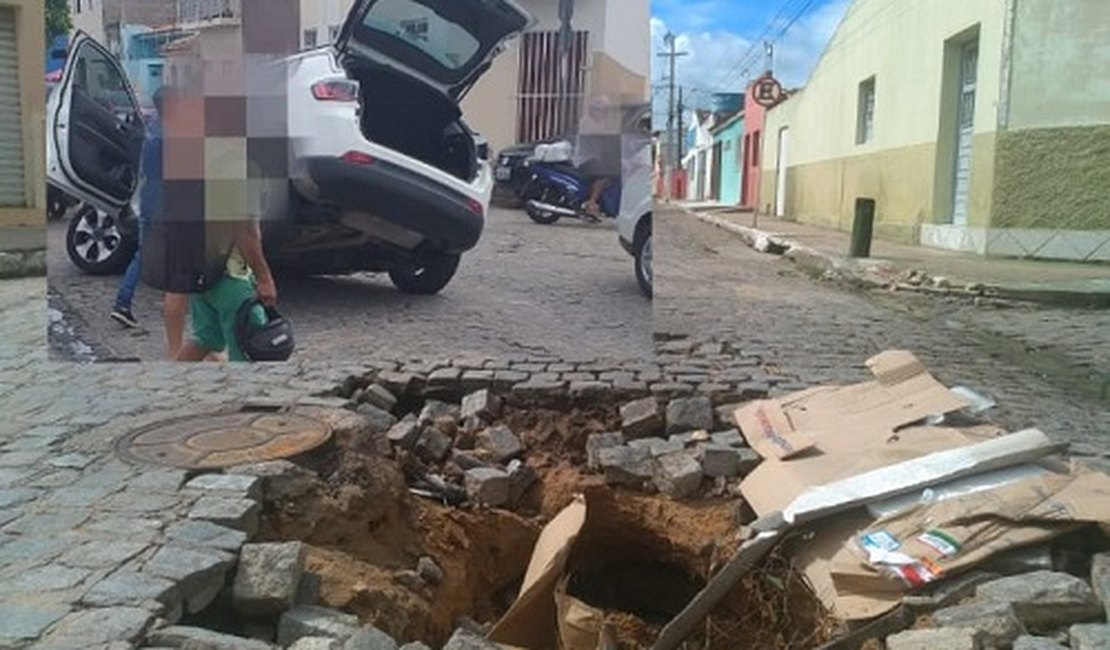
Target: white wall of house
[(88, 16), (617, 28), (323, 17)]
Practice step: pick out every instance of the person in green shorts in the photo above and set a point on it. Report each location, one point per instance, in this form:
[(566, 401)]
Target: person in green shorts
[(214, 312)]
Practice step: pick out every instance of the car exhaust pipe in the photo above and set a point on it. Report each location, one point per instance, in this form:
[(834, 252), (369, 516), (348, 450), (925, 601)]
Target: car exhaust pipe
[(555, 209)]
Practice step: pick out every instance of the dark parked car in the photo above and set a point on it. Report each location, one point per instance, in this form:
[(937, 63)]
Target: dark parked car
[(508, 173)]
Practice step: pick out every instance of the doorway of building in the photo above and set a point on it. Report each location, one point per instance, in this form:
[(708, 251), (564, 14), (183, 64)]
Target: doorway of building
[(780, 176), (715, 177), (965, 132)]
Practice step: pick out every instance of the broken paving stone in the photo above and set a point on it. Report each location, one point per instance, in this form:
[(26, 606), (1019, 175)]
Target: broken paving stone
[(521, 477), (199, 573), (240, 514), (1036, 643), (434, 409), (1089, 636), (316, 643), (659, 446), (641, 419), (183, 636), (370, 638), (483, 404), (1100, 579), (415, 645), (205, 533), (747, 460), (410, 579), (429, 571), (310, 620), (102, 625), (379, 420), (379, 396), (433, 445), (719, 460), (467, 460), (689, 414), (997, 621), (595, 442), (488, 486), (730, 438), (500, 442), (677, 475), (1045, 600), (240, 485), (948, 638), (405, 433), (464, 639), (626, 465), (472, 425), (282, 480), (22, 620), (130, 588), (267, 578)]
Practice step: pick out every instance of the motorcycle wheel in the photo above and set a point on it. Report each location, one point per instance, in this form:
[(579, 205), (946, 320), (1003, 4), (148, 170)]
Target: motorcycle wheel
[(543, 194)]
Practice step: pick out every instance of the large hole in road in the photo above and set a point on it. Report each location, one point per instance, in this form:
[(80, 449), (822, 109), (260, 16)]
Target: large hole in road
[(641, 557)]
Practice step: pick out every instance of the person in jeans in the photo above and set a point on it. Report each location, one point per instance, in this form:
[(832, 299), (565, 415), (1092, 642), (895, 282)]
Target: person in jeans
[(150, 206)]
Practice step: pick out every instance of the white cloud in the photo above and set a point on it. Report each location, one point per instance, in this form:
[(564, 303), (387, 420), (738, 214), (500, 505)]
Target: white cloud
[(713, 54)]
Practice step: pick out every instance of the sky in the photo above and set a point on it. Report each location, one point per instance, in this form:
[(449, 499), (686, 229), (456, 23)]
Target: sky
[(718, 33)]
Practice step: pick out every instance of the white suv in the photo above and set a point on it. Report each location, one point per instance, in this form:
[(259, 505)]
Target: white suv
[(634, 218), (385, 175)]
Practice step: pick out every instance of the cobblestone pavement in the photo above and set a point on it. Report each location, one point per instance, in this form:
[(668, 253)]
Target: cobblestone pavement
[(560, 290), (95, 552), (1043, 366)]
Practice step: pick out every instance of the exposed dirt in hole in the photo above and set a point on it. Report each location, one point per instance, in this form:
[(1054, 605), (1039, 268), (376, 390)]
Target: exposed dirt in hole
[(641, 557)]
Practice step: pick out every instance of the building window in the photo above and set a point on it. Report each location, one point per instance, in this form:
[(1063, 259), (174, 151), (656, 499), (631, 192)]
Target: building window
[(755, 149), (865, 112), (545, 106), (310, 38), (333, 33)]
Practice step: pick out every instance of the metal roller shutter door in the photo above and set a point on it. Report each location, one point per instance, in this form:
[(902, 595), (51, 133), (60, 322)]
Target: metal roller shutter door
[(13, 192)]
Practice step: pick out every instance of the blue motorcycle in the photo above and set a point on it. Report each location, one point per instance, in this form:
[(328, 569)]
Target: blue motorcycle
[(558, 189)]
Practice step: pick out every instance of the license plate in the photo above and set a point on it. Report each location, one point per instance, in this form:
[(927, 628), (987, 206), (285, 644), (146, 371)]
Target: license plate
[(503, 173)]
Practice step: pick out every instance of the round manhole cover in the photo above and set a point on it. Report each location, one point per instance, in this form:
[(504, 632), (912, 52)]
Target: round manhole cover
[(223, 439)]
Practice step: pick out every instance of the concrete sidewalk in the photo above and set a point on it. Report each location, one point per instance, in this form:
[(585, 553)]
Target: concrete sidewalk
[(916, 268)]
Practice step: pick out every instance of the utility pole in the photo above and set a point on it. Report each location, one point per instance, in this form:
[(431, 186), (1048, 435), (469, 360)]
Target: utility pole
[(670, 161), (681, 126)]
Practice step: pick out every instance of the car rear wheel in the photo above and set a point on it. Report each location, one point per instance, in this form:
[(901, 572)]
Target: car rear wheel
[(643, 253), (428, 279), (96, 244)]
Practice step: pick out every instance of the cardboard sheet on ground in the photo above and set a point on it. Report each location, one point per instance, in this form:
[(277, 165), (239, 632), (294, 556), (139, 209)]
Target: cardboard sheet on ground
[(853, 429), (930, 541), (545, 616)]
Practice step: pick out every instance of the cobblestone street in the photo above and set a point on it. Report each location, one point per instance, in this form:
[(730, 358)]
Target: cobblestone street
[(560, 290), (1044, 366)]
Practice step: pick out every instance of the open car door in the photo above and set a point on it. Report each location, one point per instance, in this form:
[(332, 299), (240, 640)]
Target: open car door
[(95, 129), (447, 44)]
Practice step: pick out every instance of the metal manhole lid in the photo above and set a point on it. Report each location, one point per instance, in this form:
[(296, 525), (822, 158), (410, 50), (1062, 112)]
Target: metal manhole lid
[(223, 439)]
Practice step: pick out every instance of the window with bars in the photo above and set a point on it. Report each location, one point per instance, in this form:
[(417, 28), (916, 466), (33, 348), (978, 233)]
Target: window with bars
[(549, 106), (309, 38)]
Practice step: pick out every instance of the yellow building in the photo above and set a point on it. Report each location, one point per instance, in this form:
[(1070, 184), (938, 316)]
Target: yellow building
[(22, 114), (977, 125)]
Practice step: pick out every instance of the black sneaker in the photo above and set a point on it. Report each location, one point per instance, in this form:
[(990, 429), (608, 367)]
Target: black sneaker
[(124, 317)]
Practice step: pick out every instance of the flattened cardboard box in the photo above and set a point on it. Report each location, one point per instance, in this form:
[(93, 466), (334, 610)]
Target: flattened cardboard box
[(833, 432)]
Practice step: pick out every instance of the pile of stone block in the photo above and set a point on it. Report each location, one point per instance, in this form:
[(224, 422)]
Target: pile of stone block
[(671, 448), (1037, 610)]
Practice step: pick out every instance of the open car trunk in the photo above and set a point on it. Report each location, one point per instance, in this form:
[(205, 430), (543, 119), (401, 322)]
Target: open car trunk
[(413, 118)]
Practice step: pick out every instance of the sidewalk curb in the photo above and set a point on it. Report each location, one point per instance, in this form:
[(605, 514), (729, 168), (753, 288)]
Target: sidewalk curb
[(22, 264), (869, 275)]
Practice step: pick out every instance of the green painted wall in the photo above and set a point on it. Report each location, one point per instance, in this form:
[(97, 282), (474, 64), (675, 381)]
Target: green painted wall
[(1053, 178)]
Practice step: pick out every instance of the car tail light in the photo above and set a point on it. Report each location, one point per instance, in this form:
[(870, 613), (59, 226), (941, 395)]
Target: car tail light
[(474, 206), (357, 158), (335, 90)]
